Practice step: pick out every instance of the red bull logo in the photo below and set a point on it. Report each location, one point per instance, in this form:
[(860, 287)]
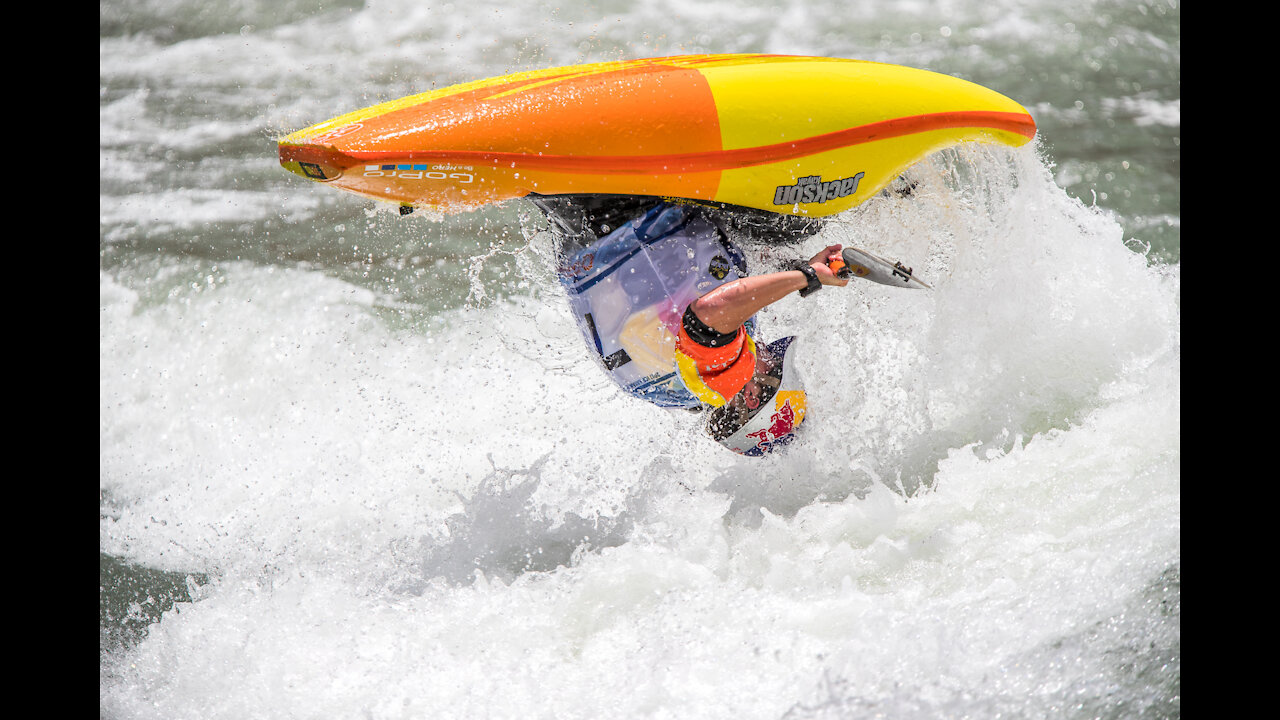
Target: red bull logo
[(789, 413)]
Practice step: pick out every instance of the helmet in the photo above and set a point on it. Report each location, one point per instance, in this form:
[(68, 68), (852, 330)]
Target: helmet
[(764, 415)]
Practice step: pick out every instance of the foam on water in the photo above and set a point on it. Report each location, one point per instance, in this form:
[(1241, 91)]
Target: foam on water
[(461, 517)]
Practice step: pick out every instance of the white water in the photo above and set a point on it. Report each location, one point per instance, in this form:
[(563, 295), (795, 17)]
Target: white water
[(460, 517)]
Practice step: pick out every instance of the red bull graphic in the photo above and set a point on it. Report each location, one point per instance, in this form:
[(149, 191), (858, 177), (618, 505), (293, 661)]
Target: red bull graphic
[(789, 413)]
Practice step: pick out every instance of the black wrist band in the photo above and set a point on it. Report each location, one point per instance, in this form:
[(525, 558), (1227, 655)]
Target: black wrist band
[(810, 276)]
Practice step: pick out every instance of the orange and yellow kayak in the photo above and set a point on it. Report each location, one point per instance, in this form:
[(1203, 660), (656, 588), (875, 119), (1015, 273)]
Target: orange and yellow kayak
[(797, 135)]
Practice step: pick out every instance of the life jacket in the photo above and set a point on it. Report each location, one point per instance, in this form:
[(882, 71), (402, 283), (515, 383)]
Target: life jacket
[(629, 289), (715, 372)]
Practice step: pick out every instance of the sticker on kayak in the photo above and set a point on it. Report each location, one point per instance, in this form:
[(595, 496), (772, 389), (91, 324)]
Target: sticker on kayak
[(416, 172), (812, 189)]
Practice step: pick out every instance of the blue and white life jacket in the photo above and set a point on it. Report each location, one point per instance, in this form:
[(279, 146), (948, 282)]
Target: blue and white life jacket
[(629, 289)]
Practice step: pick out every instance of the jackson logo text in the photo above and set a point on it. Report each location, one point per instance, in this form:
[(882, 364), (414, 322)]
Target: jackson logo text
[(812, 189)]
